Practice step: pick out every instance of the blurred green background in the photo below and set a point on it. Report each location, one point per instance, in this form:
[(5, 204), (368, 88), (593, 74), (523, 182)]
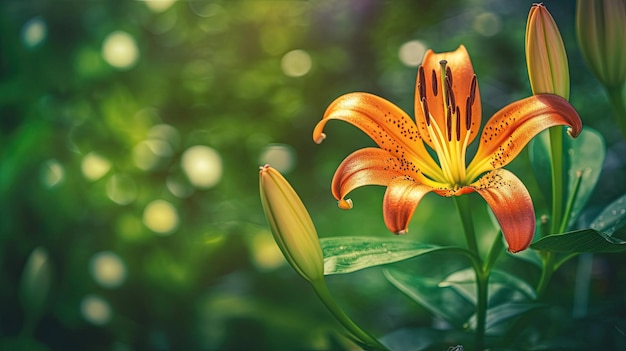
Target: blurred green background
[(131, 133)]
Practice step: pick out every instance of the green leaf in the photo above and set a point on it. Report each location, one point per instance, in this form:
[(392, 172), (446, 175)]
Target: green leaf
[(445, 302), (530, 256), (585, 240), (612, 218), (586, 156), (351, 253), (502, 286), (583, 157), (503, 312), (539, 152)]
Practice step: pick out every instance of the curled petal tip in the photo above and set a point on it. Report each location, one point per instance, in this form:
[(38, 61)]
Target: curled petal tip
[(402, 232), (265, 167), (319, 138), (345, 204), (573, 132)]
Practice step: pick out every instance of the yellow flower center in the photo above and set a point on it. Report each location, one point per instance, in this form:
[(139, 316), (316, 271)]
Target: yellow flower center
[(449, 139)]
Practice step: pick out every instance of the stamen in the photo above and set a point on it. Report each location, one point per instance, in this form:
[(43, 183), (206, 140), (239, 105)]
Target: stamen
[(449, 74), (421, 88), (421, 85), (468, 113), (426, 112), (449, 125), (449, 89), (472, 94), (434, 83), (458, 124)]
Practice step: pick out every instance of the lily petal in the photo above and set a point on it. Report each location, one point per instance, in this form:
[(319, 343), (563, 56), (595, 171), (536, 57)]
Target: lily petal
[(511, 128), (401, 199), (511, 203), (463, 78), (368, 166), (387, 124)]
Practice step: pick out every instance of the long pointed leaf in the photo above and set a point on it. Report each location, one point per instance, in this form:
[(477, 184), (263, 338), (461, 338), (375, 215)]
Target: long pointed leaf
[(502, 286), (503, 312), (612, 218), (585, 240), (349, 254), (583, 157), (444, 302)]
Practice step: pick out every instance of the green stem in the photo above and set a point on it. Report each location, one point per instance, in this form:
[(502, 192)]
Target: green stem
[(482, 297), (546, 272), (571, 201), (482, 275), (494, 252), (465, 211), (556, 153), (619, 106), (321, 289)]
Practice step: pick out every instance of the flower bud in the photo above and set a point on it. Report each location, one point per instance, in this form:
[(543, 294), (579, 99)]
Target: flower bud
[(291, 225), (545, 54), (601, 29)]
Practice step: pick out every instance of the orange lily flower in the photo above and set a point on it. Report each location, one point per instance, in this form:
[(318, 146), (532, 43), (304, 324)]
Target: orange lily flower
[(447, 119)]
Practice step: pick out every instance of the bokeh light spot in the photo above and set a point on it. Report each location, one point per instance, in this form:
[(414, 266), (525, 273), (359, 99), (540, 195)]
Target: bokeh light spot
[(265, 253), (166, 133), (179, 185), (296, 63), (121, 189), (120, 50), (280, 156), (159, 5), (95, 310), (34, 32), (205, 8), (487, 24), (150, 154), (94, 166), (52, 173), (107, 269), (202, 165), (412, 52), (161, 217)]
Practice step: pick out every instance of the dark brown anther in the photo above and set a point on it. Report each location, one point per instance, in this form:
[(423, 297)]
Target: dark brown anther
[(449, 124), (421, 83), (449, 75), (458, 124), (446, 90), (434, 83), (426, 112), (468, 113), (472, 94), (451, 94)]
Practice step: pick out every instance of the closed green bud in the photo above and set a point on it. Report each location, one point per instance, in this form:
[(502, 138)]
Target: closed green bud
[(545, 54), (291, 225), (601, 29)]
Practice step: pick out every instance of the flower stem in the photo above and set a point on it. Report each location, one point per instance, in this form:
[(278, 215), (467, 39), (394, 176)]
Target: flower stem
[(556, 154), (571, 201), (321, 289), (481, 271), (619, 106), (465, 211), (546, 272)]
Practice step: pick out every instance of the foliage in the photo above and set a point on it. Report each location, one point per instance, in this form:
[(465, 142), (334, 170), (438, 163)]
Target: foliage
[(108, 240)]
